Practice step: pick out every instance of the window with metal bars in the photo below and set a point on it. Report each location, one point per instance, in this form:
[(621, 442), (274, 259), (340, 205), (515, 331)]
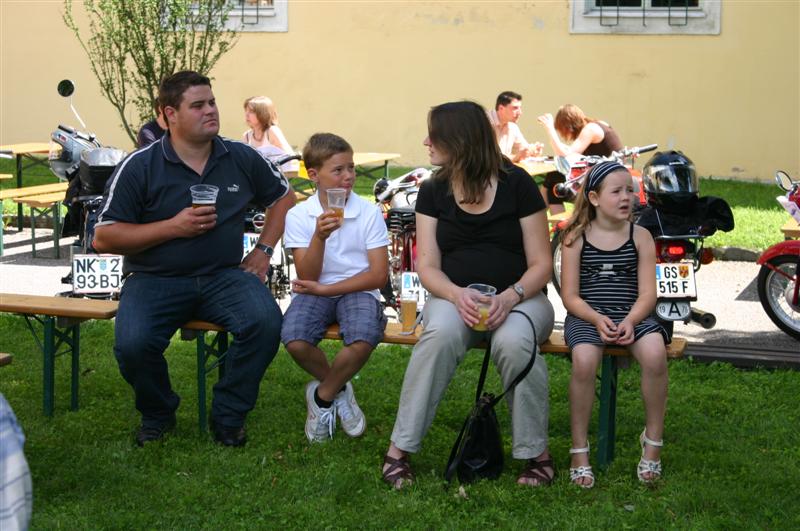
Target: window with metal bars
[(646, 16), (258, 15)]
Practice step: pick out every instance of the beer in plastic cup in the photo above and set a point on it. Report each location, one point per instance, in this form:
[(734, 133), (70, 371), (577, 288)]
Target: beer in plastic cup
[(337, 197), (203, 195), (408, 312), (484, 301)]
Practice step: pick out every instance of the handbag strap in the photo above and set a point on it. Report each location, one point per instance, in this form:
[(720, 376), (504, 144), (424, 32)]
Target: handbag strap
[(457, 451), (520, 376)]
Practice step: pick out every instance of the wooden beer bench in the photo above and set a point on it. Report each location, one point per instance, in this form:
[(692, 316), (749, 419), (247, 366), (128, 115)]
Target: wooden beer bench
[(791, 229), (60, 319), (613, 357), (17, 194)]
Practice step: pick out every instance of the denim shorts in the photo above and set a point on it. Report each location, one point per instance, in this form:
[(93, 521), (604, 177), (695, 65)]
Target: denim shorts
[(360, 317)]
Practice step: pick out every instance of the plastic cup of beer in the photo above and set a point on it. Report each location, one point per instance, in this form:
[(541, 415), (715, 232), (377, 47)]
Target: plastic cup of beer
[(484, 302), (337, 197), (203, 195), (408, 311)]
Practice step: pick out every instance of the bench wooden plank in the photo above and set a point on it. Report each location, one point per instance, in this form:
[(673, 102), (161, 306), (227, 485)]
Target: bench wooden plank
[(5, 176), (40, 200), (58, 306), (554, 345), (791, 229), (5, 358), (10, 193)]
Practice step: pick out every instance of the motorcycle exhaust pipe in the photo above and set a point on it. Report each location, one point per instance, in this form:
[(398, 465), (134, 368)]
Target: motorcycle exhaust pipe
[(705, 319)]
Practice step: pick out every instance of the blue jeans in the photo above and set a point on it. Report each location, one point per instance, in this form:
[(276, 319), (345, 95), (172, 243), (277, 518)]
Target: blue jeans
[(151, 310)]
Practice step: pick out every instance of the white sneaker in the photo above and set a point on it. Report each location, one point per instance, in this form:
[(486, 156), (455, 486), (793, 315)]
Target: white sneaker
[(321, 421), (353, 421)]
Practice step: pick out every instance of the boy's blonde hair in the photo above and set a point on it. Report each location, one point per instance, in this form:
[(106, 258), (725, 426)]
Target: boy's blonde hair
[(264, 109), (322, 146)]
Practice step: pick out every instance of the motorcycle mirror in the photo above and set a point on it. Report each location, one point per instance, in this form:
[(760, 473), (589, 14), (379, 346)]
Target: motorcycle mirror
[(562, 165), (784, 181), (65, 88)]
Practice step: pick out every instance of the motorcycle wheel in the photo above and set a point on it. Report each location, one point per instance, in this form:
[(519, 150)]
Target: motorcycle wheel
[(555, 250), (772, 292)]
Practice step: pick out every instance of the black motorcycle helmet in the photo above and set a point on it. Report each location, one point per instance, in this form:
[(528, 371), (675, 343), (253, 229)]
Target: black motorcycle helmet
[(670, 181)]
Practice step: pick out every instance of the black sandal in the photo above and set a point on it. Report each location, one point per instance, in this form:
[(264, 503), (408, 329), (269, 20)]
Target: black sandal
[(399, 469), (537, 470)]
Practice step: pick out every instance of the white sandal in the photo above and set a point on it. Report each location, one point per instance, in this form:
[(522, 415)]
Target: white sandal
[(583, 471), (646, 465)]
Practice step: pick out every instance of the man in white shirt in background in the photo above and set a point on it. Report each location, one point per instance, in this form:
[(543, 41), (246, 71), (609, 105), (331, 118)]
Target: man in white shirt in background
[(507, 111)]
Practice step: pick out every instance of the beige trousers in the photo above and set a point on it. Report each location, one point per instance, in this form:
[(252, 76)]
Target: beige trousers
[(441, 348)]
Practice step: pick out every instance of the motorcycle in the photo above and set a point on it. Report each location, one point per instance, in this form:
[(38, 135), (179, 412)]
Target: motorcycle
[(779, 276), (671, 210), (81, 160), (397, 198)]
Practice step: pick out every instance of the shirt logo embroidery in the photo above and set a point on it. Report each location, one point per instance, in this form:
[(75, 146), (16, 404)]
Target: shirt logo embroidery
[(234, 188)]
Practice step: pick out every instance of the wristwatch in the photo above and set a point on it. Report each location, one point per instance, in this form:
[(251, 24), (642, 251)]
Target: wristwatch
[(520, 291), (268, 249)]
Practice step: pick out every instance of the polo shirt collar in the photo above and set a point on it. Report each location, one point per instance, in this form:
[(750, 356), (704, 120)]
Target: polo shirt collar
[(218, 149)]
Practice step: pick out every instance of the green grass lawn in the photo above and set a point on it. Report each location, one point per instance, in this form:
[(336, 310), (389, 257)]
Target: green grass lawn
[(731, 455), (758, 217)]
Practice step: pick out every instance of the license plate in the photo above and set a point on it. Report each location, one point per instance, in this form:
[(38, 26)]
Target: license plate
[(676, 281), (249, 242), (96, 273), (411, 286)]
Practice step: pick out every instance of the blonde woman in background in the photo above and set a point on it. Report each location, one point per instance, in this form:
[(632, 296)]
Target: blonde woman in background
[(264, 134)]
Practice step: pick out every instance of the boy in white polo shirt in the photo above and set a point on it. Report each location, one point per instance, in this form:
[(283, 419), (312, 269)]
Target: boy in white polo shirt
[(341, 263)]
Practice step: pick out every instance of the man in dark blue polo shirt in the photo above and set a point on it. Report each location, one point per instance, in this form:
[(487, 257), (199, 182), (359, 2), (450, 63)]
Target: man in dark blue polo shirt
[(185, 263)]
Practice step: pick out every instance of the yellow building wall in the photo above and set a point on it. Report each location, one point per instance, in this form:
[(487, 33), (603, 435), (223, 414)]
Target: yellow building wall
[(370, 71)]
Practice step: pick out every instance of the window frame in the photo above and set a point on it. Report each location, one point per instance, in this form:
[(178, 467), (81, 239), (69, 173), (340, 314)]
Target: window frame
[(272, 19), (585, 18)]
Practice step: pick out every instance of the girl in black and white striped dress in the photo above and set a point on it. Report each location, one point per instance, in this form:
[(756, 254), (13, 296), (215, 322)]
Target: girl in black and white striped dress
[(608, 287)]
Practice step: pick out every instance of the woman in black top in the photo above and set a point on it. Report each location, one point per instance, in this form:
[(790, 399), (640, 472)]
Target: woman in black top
[(582, 135), (480, 219)]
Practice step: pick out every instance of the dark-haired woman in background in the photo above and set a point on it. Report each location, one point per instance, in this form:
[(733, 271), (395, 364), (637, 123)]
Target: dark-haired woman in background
[(480, 219)]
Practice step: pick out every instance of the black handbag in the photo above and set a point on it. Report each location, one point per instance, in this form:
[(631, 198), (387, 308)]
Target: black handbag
[(478, 450)]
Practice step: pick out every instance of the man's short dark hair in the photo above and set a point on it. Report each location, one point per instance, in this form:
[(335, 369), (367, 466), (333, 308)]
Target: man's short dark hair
[(506, 97), (170, 92), (322, 146)]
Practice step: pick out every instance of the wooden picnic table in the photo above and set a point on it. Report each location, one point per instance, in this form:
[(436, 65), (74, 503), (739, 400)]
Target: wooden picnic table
[(43, 197), (60, 319), (791, 229), (26, 150), (537, 166), (377, 161)]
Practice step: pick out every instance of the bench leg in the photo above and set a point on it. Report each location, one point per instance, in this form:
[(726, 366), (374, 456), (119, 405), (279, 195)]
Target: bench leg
[(218, 348), (48, 364), (75, 348), (33, 232), (57, 228), (201, 382), (608, 411)]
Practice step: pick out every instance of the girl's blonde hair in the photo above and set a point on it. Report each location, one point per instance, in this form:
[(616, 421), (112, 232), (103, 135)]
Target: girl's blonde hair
[(264, 109), (585, 212)]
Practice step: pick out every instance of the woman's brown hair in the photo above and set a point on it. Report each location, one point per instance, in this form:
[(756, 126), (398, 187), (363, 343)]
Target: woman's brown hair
[(461, 130), (570, 120)]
